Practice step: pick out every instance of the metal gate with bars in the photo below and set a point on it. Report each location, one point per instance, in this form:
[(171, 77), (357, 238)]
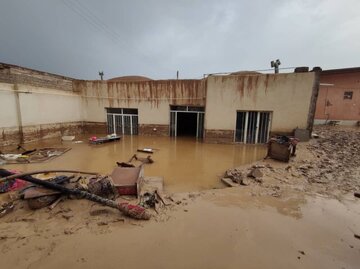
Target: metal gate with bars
[(122, 121), (200, 116), (252, 127)]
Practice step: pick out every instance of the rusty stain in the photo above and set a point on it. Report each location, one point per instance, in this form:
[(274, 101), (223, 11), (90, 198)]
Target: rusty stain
[(155, 92), (241, 85), (256, 81), (266, 82), (110, 95), (249, 84)]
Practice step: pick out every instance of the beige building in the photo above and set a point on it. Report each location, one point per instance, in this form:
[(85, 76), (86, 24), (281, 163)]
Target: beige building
[(244, 108)]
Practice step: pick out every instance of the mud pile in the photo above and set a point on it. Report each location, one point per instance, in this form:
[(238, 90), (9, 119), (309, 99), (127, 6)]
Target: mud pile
[(329, 165), (338, 162)]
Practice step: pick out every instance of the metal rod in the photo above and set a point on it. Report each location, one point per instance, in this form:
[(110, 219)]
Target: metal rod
[(197, 125), (176, 124), (246, 126), (257, 126), (131, 125), (123, 124)]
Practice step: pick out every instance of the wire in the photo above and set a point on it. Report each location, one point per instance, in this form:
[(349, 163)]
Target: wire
[(92, 22), (87, 14)]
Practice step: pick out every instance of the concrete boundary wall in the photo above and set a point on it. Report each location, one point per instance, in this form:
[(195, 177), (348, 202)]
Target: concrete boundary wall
[(29, 113)]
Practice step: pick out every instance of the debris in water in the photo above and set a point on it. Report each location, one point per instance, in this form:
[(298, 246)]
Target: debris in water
[(146, 150), (101, 140), (68, 137)]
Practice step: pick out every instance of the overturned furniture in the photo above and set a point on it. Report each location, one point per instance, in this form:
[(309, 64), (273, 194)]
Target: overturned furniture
[(141, 160), (125, 179), (281, 148)]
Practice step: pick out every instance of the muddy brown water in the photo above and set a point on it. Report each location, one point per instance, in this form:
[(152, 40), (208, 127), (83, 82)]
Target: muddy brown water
[(185, 163)]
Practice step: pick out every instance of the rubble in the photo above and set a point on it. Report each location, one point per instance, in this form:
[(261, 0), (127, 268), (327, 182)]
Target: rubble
[(329, 165), (235, 175), (256, 174)]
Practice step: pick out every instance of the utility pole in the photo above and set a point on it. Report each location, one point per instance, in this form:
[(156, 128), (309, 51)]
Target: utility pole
[(275, 65), (101, 74)]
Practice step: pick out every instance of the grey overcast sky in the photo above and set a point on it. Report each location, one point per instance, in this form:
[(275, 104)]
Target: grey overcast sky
[(154, 38)]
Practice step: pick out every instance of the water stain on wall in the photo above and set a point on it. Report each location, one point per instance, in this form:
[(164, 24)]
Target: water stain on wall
[(177, 92)]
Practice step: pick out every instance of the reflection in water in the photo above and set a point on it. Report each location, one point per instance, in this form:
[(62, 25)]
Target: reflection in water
[(185, 164)]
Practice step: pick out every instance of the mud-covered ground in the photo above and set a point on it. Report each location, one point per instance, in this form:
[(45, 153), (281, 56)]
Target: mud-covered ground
[(300, 214), (328, 165)]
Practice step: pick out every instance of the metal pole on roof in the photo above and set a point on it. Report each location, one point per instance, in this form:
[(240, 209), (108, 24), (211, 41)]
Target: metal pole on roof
[(101, 74), (275, 65)]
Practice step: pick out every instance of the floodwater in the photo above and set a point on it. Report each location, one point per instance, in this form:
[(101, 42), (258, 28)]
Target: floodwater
[(185, 163)]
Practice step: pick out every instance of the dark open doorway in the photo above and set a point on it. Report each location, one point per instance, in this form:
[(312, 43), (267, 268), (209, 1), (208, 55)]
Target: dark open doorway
[(186, 124)]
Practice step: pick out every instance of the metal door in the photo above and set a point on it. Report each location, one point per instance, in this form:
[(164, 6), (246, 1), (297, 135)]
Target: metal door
[(122, 124)]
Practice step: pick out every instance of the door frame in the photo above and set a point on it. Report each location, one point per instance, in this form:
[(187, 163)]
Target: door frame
[(188, 111)]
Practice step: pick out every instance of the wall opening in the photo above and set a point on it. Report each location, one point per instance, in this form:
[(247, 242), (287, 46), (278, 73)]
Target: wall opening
[(252, 127), (122, 121), (187, 121), (186, 124)]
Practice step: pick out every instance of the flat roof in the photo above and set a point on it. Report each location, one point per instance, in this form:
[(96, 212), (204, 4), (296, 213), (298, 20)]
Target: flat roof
[(341, 70)]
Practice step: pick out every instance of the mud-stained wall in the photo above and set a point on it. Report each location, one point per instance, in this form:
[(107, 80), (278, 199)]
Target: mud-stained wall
[(331, 104), (9, 130), (29, 113), (151, 98), (43, 106), (287, 96), (8, 112)]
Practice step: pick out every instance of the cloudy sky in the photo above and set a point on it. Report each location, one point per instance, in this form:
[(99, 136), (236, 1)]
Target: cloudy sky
[(155, 38)]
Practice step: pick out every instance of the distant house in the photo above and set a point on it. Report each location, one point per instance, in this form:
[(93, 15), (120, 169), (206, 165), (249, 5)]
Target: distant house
[(339, 97)]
